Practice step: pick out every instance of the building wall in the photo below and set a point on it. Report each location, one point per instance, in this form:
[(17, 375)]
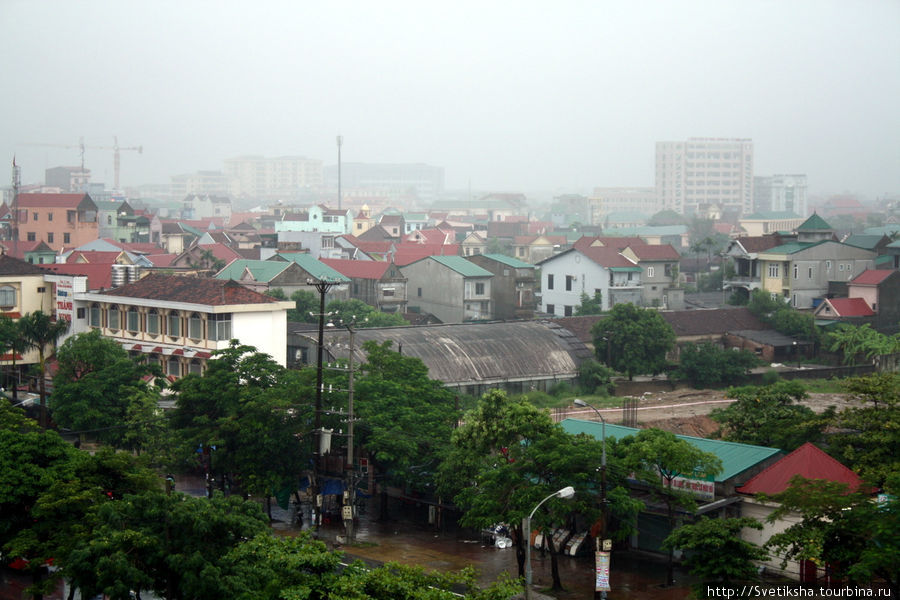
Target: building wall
[(284, 176), (30, 293), (587, 276), (781, 193), (445, 293), (605, 200), (267, 331), (705, 171), (512, 289), (58, 226)]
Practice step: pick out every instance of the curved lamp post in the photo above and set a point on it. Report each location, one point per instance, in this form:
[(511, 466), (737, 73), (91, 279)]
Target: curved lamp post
[(565, 493)]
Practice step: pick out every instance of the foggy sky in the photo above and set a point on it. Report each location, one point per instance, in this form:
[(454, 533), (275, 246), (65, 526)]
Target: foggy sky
[(506, 96)]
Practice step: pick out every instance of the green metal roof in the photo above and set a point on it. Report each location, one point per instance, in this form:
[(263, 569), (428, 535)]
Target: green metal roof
[(736, 458), (462, 266), (262, 270), (885, 259), (316, 268), (790, 248), (814, 223), (509, 260), (625, 269)]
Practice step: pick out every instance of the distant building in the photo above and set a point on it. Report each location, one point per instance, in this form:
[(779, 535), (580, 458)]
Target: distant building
[(630, 200), (68, 179), (57, 219), (781, 193), (705, 171), (424, 182), (449, 287), (282, 176), (201, 182)]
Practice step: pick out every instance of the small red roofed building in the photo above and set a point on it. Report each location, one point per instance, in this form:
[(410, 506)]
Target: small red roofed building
[(57, 219), (808, 462), (377, 283), (843, 308), (880, 288)]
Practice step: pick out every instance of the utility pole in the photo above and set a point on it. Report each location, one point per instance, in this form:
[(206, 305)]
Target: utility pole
[(349, 495), (322, 287)]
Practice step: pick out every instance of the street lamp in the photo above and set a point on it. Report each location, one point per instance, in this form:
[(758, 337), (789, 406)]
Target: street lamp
[(796, 353), (603, 507), (565, 493)]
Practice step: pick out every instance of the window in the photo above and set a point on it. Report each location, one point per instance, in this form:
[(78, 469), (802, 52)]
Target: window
[(132, 320), (569, 280), (67, 238), (774, 271), (220, 327), (327, 241), (49, 238), (79, 313), (173, 324), (95, 315), (194, 368), (7, 296), (796, 271), (195, 326), (551, 309), (112, 317), (109, 219), (70, 216), (479, 289), (173, 367), (650, 271), (34, 216), (419, 292), (31, 236), (549, 281), (810, 273), (153, 321), (521, 250), (567, 311), (841, 267), (827, 265), (388, 292)]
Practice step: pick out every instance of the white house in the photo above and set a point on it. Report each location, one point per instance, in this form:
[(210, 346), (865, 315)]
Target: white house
[(588, 270)]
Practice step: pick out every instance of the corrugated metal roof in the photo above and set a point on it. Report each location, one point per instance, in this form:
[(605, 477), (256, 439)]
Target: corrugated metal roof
[(315, 267), (262, 270), (509, 260), (477, 353), (736, 458), (814, 223)]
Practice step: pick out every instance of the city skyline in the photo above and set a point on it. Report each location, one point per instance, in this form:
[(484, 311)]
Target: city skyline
[(561, 99)]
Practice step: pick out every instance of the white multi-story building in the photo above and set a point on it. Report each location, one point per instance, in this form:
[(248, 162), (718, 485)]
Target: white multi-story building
[(261, 177), (423, 181), (702, 172), (201, 182), (781, 193)]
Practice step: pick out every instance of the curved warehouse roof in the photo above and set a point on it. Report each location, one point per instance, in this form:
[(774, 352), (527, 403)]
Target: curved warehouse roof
[(476, 352)]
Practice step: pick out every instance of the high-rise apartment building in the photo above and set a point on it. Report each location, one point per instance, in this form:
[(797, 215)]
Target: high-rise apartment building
[(702, 172), (609, 200), (781, 193), (282, 176)]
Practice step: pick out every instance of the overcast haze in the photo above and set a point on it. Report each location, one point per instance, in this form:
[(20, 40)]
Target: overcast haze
[(510, 96)]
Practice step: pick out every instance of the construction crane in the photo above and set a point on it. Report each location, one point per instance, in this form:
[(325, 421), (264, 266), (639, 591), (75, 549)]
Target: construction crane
[(82, 147)]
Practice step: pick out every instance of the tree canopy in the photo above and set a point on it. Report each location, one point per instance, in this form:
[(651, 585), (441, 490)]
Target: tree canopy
[(637, 339), (708, 365)]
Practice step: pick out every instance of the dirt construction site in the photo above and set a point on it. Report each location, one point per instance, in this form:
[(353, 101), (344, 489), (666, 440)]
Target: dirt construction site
[(686, 411)]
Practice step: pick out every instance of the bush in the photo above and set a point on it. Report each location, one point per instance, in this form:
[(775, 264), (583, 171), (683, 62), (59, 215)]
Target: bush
[(563, 388), (770, 377), (595, 378), (707, 365)]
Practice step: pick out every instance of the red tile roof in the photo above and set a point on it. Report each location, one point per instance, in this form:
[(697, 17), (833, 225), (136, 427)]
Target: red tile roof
[(430, 236), (358, 269), (872, 276), (850, 307), (99, 275), (759, 243), (405, 254), (606, 257), (808, 462), (608, 242), (93, 257), (195, 290), (161, 260), (655, 252)]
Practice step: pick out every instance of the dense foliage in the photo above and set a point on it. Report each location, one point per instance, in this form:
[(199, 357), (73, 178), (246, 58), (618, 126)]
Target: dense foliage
[(708, 365), (633, 340)]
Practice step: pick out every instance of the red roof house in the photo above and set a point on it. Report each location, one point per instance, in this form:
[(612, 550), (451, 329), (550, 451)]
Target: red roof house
[(807, 461), (836, 308)]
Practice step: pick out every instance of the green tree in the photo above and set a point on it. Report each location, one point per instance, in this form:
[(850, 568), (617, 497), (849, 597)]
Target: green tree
[(361, 314), (867, 437), (32, 460), (858, 538), (770, 416), (658, 458), (715, 552), (99, 387), (405, 418), (855, 341), (595, 377), (12, 343), (40, 330), (306, 307), (638, 339), (590, 305), (173, 545), (666, 217), (246, 406), (707, 365)]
